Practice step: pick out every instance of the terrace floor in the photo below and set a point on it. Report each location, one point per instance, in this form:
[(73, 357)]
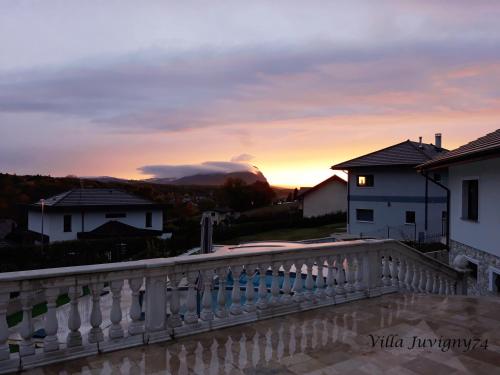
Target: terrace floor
[(331, 340)]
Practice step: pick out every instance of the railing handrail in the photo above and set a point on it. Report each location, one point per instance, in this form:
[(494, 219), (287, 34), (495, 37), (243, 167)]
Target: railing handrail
[(227, 254)]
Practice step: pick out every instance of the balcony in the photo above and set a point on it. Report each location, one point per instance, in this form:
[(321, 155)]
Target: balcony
[(163, 300)]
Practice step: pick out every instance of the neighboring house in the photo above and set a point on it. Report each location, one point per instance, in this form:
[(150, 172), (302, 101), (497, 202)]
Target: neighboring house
[(328, 197), (474, 183), (386, 196), (223, 215), (81, 212)]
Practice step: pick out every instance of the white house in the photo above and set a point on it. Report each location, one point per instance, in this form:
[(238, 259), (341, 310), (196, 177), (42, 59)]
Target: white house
[(94, 213), (474, 183), (386, 197), (328, 197)]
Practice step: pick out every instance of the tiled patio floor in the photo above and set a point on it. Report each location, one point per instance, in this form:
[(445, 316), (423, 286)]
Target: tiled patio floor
[(333, 340)]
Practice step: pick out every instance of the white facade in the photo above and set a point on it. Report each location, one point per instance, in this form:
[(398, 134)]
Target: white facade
[(482, 234), (329, 198), (53, 222), (395, 191)]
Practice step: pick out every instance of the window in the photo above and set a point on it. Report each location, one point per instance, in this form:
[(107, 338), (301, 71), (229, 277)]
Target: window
[(470, 197), (364, 180), (149, 219), (115, 215), (410, 217), (67, 223), (364, 215), (494, 280)]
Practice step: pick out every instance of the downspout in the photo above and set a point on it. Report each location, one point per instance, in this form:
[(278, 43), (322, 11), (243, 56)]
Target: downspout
[(426, 175), (426, 225), (348, 199)]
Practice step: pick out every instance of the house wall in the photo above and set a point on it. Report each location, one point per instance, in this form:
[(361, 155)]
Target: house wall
[(395, 191), (328, 199), (54, 222), (483, 234)]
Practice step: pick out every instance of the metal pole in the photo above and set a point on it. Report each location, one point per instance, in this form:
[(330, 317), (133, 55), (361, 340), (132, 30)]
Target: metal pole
[(43, 206)]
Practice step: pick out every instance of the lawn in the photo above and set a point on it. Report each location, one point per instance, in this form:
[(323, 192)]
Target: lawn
[(291, 234)]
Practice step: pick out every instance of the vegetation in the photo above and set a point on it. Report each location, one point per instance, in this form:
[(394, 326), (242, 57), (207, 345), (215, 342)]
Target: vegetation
[(290, 234)]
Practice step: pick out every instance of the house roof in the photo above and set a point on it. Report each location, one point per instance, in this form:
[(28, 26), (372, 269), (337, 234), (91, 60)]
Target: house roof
[(407, 153), (334, 178), (486, 146), (115, 228), (94, 198)]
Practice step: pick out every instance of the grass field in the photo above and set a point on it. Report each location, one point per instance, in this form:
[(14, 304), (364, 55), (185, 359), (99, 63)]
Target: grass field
[(291, 234)]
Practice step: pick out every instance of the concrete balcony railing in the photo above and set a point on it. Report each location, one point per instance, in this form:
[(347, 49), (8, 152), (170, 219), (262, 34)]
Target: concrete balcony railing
[(180, 296)]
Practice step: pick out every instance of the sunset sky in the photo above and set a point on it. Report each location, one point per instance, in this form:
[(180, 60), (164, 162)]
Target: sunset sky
[(167, 89)]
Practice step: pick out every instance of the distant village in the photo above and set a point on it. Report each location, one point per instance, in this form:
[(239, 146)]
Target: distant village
[(413, 191)]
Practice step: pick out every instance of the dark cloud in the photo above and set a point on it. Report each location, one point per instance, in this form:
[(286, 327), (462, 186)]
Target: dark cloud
[(255, 84), (208, 167)]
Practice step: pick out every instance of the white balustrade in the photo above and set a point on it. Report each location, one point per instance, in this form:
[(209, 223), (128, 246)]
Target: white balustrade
[(51, 342), (180, 293), (95, 334)]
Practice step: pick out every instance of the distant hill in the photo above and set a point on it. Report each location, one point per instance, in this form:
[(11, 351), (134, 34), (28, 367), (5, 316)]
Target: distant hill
[(213, 179)]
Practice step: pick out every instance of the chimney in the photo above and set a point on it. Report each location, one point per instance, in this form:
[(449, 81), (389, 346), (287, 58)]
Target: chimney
[(420, 142), (438, 140)]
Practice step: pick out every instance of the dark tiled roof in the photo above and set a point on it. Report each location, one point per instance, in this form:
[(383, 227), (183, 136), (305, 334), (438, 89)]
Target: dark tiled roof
[(481, 147), (407, 153), (321, 184), (115, 228), (94, 197)]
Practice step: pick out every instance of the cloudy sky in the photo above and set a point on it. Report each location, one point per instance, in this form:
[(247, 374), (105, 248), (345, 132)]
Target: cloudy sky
[(167, 88)]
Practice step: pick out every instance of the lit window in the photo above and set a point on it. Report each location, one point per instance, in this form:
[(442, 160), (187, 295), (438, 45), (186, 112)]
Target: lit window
[(365, 180)]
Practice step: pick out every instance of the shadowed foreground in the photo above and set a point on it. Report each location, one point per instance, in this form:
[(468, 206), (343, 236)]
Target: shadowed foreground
[(331, 340)]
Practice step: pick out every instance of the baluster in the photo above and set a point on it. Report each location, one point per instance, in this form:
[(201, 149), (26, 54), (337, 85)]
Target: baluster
[(394, 271), (26, 347), (447, 287), (349, 286), (74, 337), (116, 329), (136, 326), (409, 275), (401, 273), (298, 285), (286, 298), (428, 285), (330, 278), (309, 282), (206, 301), (4, 328), (421, 285), (191, 315), (441, 286), (435, 283), (262, 302), (358, 285), (221, 311), (386, 280), (175, 319), (235, 308), (416, 273), (249, 291), (340, 276), (50, 342), (95, 333), (320, 279), (275, 287)]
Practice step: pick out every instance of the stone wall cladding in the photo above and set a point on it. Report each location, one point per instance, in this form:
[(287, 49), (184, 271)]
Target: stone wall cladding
[(479, 288)]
